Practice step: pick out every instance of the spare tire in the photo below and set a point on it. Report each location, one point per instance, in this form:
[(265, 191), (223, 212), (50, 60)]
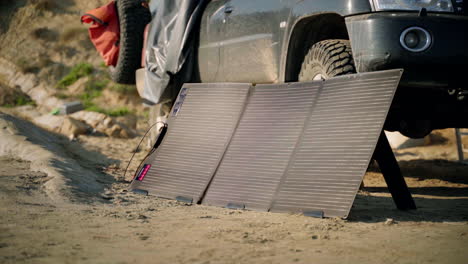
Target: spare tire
[(133, 18)]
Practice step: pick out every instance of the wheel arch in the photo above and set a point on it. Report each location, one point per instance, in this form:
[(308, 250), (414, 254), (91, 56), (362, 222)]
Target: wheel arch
[(307, 31)]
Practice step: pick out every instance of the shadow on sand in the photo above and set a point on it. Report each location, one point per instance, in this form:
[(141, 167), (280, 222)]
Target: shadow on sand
[(434, 203), (81, 168)]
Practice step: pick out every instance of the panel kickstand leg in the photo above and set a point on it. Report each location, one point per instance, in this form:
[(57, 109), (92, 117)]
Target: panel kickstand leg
[(388, 165)]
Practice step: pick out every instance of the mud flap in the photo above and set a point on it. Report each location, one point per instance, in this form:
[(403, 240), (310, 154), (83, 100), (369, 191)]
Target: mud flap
[(298, 147)]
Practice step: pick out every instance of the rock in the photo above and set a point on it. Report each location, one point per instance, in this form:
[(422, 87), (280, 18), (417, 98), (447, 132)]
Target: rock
[(71, 107), (130, 120), (72, 127), (108, 122), (108, 195), (389, 221), (94, 119), (104, 124), (49, 122), (64, 125), (29, 84), (78, 87), (126, 132), (114, 131), (27, 112)]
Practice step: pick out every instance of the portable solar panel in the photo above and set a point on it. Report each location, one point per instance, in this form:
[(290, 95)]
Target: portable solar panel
[(298, 147), (337, 144), (200, 127), (262, 145)]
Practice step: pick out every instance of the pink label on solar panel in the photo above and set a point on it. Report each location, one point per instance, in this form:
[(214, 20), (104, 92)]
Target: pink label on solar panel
[(143, 172)]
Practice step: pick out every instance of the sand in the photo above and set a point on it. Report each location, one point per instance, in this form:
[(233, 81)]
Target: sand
[(68, 203)]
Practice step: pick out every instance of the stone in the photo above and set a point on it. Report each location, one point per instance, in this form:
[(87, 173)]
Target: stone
[(71, 107), (49, 122), (104, 124), (129, 120), (72, 127), (93, 119), (389, 221), (78, 87)]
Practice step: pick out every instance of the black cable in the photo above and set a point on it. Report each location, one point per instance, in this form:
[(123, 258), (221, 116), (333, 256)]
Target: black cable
[(134, 152)]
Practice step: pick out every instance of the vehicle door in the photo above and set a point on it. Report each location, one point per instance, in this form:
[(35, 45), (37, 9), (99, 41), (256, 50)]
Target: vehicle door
[(252, 40), (211, 35)]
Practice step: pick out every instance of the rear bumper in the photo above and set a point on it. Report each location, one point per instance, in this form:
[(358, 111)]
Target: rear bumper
[(375, 40)]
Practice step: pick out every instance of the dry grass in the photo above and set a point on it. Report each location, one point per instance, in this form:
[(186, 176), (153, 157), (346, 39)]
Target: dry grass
[(44, 5), (44, 33), (124, 88), (33, 65), (73, 33), (25, 65)]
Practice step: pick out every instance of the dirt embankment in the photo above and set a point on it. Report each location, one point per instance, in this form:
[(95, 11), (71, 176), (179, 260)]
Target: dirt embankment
[(47, 57), (45, 36)]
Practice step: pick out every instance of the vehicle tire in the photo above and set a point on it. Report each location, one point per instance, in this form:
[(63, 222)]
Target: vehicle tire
[(326, 59), (133, 18)]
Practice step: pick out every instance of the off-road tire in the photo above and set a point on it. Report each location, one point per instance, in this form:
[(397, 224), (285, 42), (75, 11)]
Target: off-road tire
[(133, 18), (329, 58)]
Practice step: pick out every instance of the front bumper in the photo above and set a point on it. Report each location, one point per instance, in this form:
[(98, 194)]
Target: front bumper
[(375, 41)]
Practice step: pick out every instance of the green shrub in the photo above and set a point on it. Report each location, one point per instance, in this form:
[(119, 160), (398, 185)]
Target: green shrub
[(121, 111), (123, 88), (93, 89), (23, 100), (94, 108), (95, 85), (80, 70), (20, 100)]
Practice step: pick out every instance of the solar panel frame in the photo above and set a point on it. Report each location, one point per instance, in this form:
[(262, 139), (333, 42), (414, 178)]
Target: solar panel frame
[(297, 147), (333, 154), (262, 145), (200, 126)]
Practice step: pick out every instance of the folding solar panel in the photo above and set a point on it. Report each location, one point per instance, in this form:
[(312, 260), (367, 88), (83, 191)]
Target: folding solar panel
[(298, 147), (201, 124), (262, 145), (337, 144)]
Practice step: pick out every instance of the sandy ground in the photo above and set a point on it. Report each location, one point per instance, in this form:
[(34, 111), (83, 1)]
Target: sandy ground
[(66, 202)]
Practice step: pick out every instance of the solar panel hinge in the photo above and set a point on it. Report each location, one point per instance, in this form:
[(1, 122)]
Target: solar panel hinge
[(140, 191), (184, 199), (317, 214), (235, 206)]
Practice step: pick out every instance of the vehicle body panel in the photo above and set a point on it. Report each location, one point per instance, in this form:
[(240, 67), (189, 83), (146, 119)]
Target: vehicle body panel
[(211, 32), (257, 42), (255, 36), (375, 39)]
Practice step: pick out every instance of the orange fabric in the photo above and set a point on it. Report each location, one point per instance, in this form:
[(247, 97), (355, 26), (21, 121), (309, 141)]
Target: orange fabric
[(104, 31)]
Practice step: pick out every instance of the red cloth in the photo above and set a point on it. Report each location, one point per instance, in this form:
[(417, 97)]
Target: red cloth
[(104, 31)]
